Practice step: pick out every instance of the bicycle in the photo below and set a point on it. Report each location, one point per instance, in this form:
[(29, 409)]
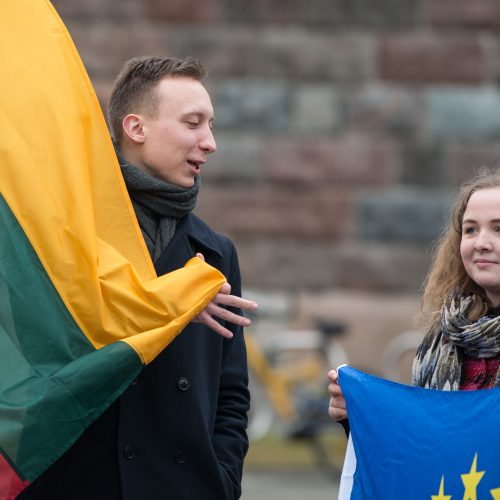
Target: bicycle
[(289, 390), (399, 353)]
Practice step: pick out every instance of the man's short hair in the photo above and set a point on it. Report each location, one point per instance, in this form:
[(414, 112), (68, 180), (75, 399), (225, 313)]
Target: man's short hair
[(134, 88)]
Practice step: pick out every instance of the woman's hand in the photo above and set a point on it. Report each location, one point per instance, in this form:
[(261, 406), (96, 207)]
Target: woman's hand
[(337, 408)]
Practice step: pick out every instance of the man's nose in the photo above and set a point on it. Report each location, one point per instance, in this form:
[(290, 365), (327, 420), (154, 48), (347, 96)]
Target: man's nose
[(207, 142)]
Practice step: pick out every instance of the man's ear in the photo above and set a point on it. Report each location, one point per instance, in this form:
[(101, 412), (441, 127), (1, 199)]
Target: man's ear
[(133, 128)]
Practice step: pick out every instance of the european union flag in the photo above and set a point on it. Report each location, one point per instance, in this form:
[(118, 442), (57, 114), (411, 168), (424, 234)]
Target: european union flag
[(414, 443)]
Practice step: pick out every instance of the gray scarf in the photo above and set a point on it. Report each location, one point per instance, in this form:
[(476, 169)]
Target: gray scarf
[(439, 357), (158, 205)]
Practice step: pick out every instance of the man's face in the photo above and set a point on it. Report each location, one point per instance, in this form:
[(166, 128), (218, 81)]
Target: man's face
[(179, 139)]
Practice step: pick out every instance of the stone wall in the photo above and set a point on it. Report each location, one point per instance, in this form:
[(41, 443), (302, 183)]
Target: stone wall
[(343, 126)]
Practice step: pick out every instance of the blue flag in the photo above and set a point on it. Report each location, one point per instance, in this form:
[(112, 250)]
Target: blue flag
[(412, 443)]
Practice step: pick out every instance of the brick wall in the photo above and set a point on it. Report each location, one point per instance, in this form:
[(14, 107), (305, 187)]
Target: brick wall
[(343, 126)]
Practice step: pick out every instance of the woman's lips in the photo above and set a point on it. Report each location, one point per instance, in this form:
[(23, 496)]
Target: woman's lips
[(483, 263)]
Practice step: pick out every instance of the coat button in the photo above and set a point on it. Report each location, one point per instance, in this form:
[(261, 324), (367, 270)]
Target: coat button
[(180, 456), (128, 452), (183, 384)]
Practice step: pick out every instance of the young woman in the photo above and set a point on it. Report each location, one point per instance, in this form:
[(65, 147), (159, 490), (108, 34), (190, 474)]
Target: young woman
[(461, 299)]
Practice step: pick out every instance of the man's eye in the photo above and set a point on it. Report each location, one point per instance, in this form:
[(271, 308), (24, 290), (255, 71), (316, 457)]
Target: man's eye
[(192, 124)]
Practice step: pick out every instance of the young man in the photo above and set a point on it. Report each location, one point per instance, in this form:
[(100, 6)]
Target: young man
[(179, 432)]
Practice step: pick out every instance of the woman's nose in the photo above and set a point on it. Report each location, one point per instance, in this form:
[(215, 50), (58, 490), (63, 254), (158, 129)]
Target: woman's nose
[(483, 242)]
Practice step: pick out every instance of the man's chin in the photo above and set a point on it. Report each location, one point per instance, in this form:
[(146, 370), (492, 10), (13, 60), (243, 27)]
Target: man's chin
[(184, 182), (189, 183)]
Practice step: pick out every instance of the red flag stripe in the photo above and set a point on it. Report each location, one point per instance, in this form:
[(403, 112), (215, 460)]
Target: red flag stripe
[(10, 483)]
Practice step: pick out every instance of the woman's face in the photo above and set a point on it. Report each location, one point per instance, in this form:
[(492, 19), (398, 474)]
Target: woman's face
[(480, 244)]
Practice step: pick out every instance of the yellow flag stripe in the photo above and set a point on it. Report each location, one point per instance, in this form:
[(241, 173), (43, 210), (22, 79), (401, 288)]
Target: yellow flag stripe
[(60, 178)]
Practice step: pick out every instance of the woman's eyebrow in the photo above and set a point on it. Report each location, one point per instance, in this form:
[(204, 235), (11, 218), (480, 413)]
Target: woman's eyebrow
[(473, 221)]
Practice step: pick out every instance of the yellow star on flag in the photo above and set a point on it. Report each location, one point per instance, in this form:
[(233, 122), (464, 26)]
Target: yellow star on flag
[(471, 480), (441, 495), (495, 494)]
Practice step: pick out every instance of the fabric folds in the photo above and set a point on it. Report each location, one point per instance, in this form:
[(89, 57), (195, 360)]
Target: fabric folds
[(81, 308)]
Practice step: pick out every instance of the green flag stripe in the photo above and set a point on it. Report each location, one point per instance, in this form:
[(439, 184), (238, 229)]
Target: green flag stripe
[(33, 315), (53, 383)]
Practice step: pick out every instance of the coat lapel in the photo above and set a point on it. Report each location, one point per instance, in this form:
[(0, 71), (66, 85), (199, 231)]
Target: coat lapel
[(191, 236)]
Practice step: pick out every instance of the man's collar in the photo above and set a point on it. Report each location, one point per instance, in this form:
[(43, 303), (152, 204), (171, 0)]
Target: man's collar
[(197, 230)]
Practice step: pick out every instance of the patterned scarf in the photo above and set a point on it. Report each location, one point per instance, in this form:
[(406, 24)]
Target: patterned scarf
[(437, 364), (158, 205)]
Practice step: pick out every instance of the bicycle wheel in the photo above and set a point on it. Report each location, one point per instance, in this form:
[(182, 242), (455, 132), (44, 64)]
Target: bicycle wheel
[(328, 447), (261, 414)]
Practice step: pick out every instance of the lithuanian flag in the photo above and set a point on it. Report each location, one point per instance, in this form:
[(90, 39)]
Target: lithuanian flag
[(81, 308)]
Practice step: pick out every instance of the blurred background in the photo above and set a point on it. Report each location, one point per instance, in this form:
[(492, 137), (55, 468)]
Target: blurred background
[(344, 128)]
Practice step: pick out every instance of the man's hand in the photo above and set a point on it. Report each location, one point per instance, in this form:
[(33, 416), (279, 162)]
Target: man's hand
[(337, 408), (223, 298)]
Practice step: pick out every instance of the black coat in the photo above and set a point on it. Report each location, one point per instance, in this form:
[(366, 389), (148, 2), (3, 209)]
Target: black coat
[(178, 432)]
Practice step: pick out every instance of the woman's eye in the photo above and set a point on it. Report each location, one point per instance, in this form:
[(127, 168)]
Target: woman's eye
[(468, 230)]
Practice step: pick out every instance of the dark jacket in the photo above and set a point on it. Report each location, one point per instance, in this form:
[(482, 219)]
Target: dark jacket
[(178, 432)]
